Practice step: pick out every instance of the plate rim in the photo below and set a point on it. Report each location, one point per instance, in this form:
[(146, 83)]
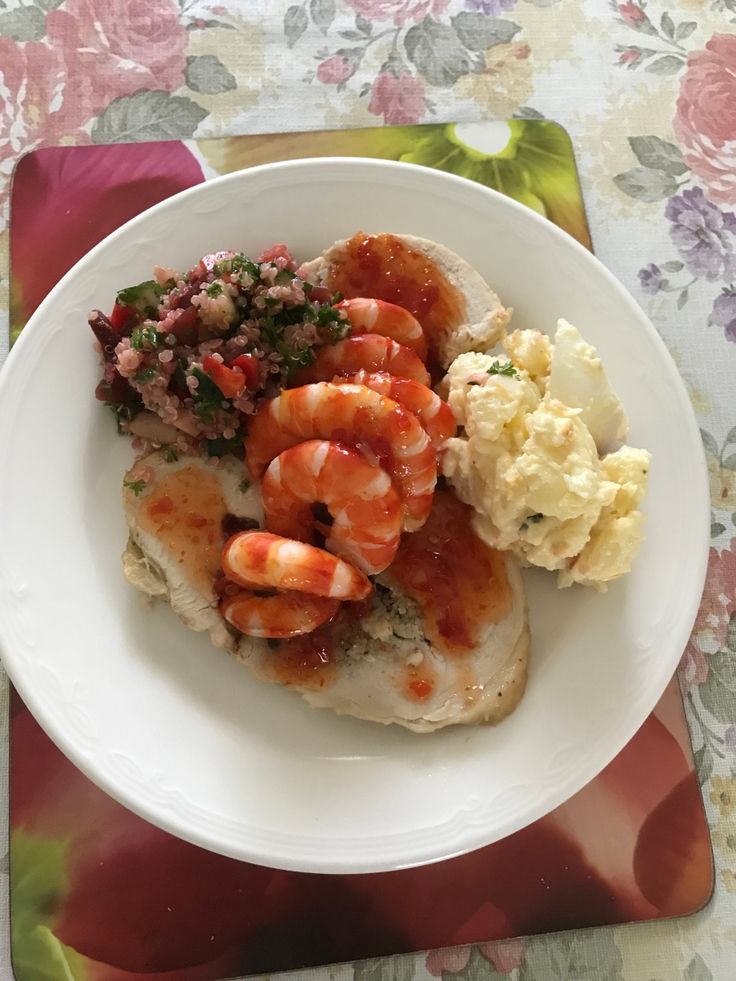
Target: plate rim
[(287, 858)]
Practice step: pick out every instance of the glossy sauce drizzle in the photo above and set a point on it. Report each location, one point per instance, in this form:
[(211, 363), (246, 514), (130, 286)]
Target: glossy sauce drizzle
[(184, 510), (384, 267), (458, 581)]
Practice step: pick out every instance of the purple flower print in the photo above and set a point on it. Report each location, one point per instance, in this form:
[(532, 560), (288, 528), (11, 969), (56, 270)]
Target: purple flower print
[(651, 279), (723, 313), (494, 7), (703, 235)]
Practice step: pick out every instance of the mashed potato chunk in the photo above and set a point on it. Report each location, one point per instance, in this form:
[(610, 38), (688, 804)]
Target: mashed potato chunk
[(528, 463)]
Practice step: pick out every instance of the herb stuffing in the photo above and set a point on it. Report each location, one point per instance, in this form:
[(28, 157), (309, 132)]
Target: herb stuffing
[(203, 348)]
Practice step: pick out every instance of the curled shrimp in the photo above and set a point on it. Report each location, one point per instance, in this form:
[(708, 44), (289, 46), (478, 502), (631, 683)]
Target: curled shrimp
[(358, 416), (260, 560), (379, 317), (369, 352), (363, 508), (281, 615), (433, 413)]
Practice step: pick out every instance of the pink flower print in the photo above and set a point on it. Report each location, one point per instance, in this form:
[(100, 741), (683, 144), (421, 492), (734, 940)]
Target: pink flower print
[(400, 11), (705, 120), (631, 14), (398, 98), (716, 609), (335, 70), (120, 46), (37, 104)]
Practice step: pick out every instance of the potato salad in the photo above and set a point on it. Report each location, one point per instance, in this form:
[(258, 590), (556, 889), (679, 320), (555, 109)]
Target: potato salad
[(541, 460)]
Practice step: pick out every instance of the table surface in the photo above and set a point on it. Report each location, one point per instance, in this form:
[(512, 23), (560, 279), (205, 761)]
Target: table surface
[(648, 94)]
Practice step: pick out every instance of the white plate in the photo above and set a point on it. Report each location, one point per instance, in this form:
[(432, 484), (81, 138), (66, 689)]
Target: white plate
[(182, 734)]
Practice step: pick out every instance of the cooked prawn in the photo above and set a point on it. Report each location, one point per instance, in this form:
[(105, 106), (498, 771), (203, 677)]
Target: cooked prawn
[(258, 559), (360, 500), (433, 413), (379, 317), (285, 614), (358, 416), (369, 352)]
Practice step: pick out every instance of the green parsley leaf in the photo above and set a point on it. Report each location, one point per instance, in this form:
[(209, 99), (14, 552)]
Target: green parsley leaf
[(244, 485), (144, 337), (507, 369), (222, 446), (136, 486), (144, 297), (207, 396), (170, 454), (144, 375), (214, 289)]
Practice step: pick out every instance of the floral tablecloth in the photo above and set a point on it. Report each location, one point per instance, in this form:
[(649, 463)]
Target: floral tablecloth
[(648, 94)]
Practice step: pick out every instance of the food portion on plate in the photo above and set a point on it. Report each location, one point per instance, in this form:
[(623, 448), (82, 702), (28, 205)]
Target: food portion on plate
[(342, 465)]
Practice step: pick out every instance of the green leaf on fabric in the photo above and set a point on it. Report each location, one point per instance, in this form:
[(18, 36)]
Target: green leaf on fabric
[(526, 112), (668, 26), (703, 763), (666, 65), (716, 529), (47, 5), (674, 265), (718, 691), (295, 24), (684, 30), (709, 443), (730, 462), (148, 115), (437, 52), (23, 24), (363, 25), (206, 73), (477, 969), (478, 32), (730, 436), (322, 13), (645, 184), (682, 298), (396, 968), (572, 958), (697, 970), (39, 884), (658, 154), (731, 633)]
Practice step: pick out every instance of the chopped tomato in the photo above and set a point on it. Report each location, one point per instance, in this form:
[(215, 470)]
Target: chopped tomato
[(122, 317), (319, 294), (278, 251), (230, 382), (248, 364)]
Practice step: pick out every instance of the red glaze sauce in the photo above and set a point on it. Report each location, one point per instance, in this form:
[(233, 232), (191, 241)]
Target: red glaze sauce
[(418, 684), (459, 582), (184, 510), (384, 267), (307, 660)]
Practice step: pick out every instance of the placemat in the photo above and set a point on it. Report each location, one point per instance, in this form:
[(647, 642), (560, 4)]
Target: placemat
[(98, 894)]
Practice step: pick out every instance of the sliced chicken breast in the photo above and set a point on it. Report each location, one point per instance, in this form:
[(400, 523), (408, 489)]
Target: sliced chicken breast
[(398, 658), (457, 308)]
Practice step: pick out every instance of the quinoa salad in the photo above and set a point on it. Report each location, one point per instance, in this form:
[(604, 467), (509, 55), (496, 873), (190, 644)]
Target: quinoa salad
[(187, 358)]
